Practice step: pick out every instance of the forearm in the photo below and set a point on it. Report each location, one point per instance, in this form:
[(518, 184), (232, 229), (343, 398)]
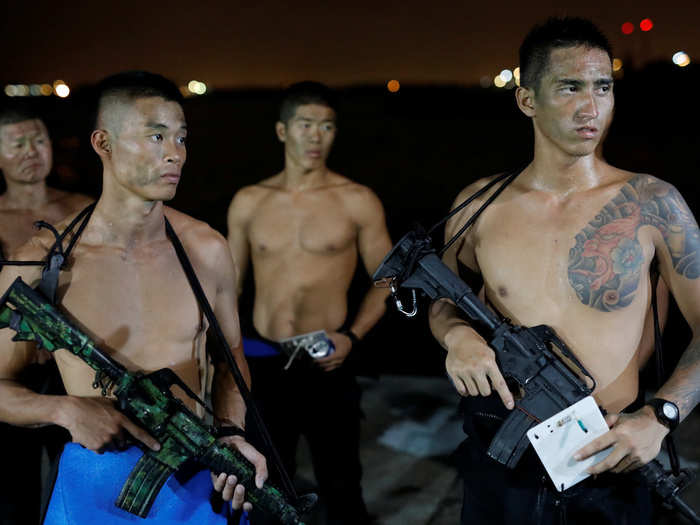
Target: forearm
[(445, 322), (229, 406), (371, 310), (683, 387), (23, 407)]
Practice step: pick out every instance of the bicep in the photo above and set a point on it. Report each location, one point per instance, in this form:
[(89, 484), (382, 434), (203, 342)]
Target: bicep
[(373, 238)]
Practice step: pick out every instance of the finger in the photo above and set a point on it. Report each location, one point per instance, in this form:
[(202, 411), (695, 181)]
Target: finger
[(459, 385), (218, 481), (229, 489), (622, 465), (611, 419), (247, 507), (634, 465), (238, 497), (501, 387), (257, 459), (596, 445), (140, 434), (482, 384), (617, 455), (470, 385)]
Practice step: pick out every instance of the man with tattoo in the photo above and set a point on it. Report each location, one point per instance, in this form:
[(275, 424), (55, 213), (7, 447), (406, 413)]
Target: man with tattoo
[(303, 230), (25, 162), (569, 244), (124, 285)]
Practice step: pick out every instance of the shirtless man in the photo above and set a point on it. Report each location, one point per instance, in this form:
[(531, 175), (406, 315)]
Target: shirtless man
[(124, 285), (25, 162), (585, 234), (303, 230)]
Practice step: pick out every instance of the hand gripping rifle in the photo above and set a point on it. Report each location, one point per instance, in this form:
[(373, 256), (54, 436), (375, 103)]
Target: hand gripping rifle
[(147, 400), (524, 355)]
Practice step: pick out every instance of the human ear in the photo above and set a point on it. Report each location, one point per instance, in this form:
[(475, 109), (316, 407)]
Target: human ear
[(525, 97), (99, 139), (281, 130)]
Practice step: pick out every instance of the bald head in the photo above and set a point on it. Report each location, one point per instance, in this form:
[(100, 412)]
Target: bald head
[(116, 94)]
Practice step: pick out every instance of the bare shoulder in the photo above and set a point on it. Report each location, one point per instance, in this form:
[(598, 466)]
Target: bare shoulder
[(247, 199), (463, 215), (357, 197), (202, 243)]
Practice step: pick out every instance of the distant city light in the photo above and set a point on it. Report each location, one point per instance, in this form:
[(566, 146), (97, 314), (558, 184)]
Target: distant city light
[(11, 90), (197, 87), (46, 89), (516, 75), (393, 86), (485, 82), (681, 59), (646, 24), (35, 90), (617, 64), (61, 90), (506, 75), (498, 81), (627, 28), (22, 90)]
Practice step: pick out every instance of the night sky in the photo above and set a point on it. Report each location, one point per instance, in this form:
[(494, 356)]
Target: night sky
[(274, 43)]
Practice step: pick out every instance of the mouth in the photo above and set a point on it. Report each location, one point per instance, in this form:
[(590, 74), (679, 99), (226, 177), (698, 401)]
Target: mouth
[(171, 178), (314, 153), (587, 132)]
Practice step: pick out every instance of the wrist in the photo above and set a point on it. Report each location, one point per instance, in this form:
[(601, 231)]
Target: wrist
[(347, 332), (455, 333)]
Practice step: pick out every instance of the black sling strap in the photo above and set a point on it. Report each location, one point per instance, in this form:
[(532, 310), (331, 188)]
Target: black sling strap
[(224, 352)]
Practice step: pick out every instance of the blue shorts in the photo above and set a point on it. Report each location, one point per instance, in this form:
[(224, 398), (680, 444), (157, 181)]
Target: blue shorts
[(88, 484)]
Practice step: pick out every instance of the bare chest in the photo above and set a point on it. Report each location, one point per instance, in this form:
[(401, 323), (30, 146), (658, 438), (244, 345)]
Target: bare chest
[(17, 226), (304, 227)]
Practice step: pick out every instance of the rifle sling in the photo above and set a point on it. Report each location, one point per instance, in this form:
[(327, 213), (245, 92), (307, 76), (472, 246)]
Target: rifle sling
[(224, 351)]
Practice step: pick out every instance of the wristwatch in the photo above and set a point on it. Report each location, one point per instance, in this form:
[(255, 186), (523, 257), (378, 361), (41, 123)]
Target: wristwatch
[(666, 412)]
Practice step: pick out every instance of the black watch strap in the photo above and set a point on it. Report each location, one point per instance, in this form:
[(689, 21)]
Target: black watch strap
[(346, 331), (666, 412), (229, 430)]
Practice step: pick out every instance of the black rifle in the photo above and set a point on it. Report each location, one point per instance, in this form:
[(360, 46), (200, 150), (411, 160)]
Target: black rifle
[(525, 356)]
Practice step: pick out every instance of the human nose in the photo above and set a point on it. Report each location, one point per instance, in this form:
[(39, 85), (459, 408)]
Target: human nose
[(315, 133), (31, 150), (588, 109), (174, 152)]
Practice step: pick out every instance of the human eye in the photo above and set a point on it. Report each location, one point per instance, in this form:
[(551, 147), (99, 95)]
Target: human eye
[(157, 137), (182, 140), (328, 126)]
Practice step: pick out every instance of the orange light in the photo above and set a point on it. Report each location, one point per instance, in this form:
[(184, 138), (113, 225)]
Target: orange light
[(627, 28), (393, 86), (646, 24)]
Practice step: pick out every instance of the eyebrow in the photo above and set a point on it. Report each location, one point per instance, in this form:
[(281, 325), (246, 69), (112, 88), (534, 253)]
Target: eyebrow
[(158, 125), (307, 119), (606, 81)]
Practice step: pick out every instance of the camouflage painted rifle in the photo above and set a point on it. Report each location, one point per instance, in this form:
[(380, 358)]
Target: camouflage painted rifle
[(147, 400)]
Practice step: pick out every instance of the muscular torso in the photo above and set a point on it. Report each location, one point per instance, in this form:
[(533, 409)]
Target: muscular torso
[(303, 248), (17, 224), (137, 304), (582, 267)]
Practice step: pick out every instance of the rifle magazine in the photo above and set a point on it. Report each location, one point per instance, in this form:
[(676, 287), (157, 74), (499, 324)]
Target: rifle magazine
[(510, 442), (142, 486)]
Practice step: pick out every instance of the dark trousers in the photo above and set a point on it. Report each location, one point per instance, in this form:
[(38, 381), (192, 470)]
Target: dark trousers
[(495, 495), (324, 407)]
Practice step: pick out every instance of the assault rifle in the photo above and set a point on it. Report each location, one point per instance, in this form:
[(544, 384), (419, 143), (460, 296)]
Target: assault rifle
[(148, 401), (525, 356)]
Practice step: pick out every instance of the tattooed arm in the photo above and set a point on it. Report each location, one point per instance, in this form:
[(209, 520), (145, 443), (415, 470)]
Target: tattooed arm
[(636, 438)]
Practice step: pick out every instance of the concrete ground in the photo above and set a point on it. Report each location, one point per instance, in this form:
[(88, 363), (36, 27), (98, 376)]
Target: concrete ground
[(411, 427)]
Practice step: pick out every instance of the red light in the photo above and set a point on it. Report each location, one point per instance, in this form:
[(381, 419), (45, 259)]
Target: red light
[(646, 24), (627, 28)]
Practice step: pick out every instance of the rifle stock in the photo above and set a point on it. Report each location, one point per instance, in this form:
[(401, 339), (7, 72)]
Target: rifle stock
[(147, 400)]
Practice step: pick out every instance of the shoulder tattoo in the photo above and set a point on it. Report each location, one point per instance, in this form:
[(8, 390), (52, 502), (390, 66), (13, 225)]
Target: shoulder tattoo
[(606, 261)]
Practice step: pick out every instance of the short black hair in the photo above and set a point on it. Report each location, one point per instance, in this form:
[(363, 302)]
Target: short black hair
[(131, 85), (556, 33), (306, 92), (12, 112)]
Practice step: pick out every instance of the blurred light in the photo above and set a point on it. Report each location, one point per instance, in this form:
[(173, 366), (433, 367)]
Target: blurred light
[(646, 24), (62, 90), (506, 75), (617, 64), (35, 90), (627, 28), (393, 86), (57, 83), (11, 90), (681, 59), (197, 87), (516, 75), (498, 81), (46, 89), (22, 90), (485, 82)]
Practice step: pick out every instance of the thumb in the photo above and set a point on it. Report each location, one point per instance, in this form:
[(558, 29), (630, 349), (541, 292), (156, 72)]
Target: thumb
[(611, 419)]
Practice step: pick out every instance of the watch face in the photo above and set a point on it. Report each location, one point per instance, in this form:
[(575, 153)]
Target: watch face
[(670, 411)]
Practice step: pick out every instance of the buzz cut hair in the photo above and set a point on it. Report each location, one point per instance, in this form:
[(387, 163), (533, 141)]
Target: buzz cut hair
[(303, 93), (131, 85), (15, 112), (556, 33)]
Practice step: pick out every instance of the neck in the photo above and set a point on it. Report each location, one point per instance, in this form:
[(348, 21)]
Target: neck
[(26, 196), (124, 219), (295, 177)]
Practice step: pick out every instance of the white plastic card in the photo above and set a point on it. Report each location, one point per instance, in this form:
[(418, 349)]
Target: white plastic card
[(557, 439)]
